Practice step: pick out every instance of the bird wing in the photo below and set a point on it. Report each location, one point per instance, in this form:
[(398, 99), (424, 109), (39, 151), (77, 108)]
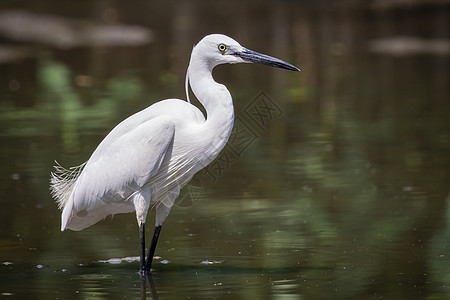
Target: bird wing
[(122, 166)]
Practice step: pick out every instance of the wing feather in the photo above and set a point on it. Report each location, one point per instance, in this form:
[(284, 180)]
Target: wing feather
[(120, 166), (126, 164)]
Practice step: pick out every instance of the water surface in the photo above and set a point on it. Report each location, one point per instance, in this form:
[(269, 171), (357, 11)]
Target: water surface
[(334, 184)]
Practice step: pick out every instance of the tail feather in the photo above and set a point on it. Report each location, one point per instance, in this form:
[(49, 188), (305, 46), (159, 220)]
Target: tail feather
[(66, 214), (62, 184)]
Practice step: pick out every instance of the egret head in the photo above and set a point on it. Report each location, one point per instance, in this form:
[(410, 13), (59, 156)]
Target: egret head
[(216, 49)]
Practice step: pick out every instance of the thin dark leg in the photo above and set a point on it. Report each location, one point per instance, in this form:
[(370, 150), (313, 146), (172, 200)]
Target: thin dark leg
[(147, 279), (142, 238), (151, 252), (143, 285), (152, 286)]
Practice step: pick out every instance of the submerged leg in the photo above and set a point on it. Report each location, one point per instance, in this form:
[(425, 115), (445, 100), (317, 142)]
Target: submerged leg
[(142, 238), (151, 252)]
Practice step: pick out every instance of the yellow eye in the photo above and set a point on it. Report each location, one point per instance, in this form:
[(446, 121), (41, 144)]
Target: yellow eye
[(222, 48)]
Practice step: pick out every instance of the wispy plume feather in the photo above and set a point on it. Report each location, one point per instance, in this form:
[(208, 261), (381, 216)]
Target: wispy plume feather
[(62, 181)]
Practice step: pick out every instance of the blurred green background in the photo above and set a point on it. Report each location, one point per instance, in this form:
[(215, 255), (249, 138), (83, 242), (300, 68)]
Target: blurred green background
[(337, 187)]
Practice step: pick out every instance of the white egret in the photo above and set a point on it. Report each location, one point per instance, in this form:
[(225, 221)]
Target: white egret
[(145, 160)]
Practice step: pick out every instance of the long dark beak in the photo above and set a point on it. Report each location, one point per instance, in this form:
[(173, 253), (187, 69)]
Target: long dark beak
[(255, 57)]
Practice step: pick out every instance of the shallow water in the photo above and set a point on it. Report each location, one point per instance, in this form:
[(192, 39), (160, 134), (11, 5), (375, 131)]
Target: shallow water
[(334, 184)]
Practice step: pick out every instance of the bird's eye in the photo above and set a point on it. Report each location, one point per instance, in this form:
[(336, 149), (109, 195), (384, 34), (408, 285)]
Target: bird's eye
[(222, 48)]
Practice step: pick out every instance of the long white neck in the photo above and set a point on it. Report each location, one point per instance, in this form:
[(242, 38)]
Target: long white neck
[(216, 99)]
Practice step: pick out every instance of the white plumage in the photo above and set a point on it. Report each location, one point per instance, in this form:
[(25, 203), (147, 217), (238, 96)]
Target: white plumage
[(145, 160)]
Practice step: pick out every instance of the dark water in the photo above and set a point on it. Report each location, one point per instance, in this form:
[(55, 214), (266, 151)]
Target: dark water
[(334, 184)]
